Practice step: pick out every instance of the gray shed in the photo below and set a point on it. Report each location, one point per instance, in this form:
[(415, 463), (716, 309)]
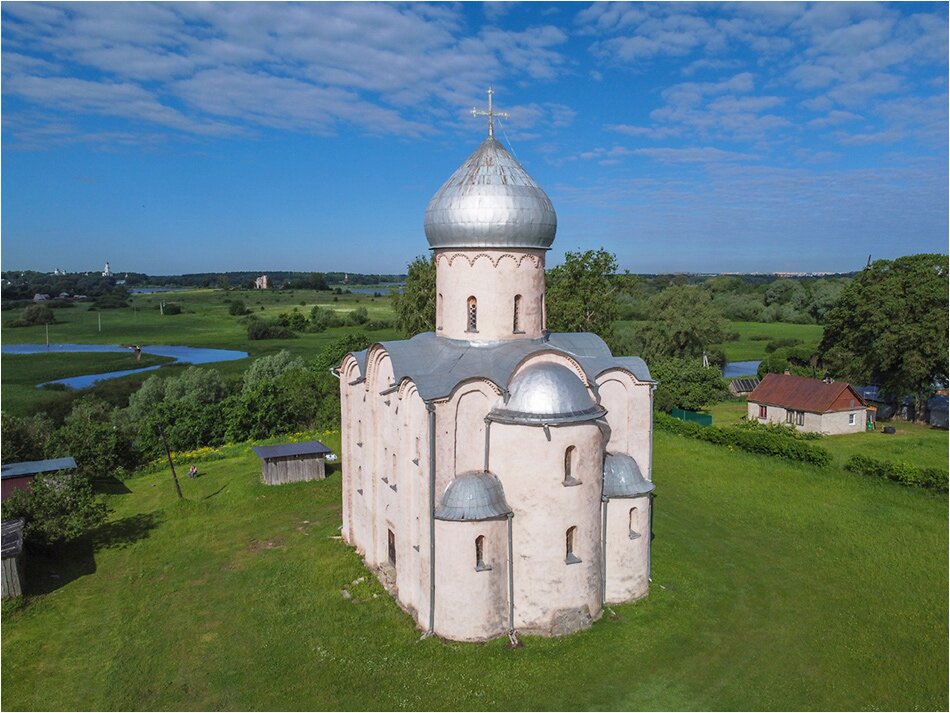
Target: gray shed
[(12, 541), (292, 462)]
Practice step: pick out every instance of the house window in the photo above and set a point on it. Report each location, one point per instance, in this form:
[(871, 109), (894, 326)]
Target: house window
[(570, 557), (762, 412), (570, 456), (438, 313), (851, 419), (634, 534), (480, 565), (789, 416), (472, 315), (516, 326), (800, 418)]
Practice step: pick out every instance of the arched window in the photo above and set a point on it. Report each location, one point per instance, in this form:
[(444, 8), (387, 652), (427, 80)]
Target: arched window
[(570, 456), (472, 315), (570, 557), (480, 565), (438, 313), (544, 316), (634, 533), (516, 326)]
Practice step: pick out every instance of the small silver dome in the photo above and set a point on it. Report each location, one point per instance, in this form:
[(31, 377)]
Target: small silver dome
[(473, 496), (490, 202), (622, 477), (546, 393)]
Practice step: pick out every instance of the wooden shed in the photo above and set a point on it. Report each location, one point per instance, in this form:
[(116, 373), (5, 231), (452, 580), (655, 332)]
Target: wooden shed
[(12, 541), (18, 476), (292, 462)]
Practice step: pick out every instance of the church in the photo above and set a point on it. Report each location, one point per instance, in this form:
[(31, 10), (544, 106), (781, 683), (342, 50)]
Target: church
[(496, 476)]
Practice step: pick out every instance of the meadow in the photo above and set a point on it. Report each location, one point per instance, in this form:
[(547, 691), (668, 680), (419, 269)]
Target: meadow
[(775, 586)]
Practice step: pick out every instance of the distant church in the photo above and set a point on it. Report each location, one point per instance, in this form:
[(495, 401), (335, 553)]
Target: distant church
[(497, 477)]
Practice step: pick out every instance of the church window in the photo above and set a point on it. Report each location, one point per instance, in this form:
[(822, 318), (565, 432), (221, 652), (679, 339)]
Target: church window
[(570, 456), (570, 557), (480, 565), (516, 327), (472, 315), (438, 313), (392, 548), (634, 534)]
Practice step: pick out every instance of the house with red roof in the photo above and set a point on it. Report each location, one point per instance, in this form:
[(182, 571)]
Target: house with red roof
[(808, 404)]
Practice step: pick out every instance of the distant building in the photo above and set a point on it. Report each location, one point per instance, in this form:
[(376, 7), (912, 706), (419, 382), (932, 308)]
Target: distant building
[(107, 271), (743, 386), (57, 271), (261, 283), (38, 297), (19, 476), (808, 404)]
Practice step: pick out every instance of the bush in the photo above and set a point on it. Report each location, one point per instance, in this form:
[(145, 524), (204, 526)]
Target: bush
[(781, 429), (97, 437), (26, 438), (108, 302), (357, 317), (236, 308), (172, 308), (752, 440), (780, 343), (57, 507), (35, 314), (269, 367), (293, 321), (375, 325), (268, 329), (903, 473)]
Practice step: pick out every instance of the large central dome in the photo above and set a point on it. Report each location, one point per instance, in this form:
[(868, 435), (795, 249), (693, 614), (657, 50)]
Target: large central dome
[(490, 202)]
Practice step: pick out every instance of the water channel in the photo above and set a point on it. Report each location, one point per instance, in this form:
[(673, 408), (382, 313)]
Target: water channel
[(183, 355)]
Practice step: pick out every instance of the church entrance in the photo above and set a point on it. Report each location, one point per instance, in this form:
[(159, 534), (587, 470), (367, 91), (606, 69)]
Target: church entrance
[(392, 548)]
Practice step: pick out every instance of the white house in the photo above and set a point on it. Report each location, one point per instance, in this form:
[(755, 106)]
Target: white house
[(808, 404)]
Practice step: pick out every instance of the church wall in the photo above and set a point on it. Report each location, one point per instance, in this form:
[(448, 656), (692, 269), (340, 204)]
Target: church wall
[(493, 278), (413, 488), (628, 547), (472, 404), (629, 404), (552, 596), (471, 605)]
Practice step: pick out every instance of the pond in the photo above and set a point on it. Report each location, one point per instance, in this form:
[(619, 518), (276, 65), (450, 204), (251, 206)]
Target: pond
[(183, 355), (735, 369)]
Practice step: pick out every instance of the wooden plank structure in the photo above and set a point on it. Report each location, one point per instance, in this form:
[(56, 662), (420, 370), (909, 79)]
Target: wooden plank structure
[(12, 541), (292, 462)]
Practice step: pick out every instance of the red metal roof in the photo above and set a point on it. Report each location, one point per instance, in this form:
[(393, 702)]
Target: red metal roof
[(803, 394)]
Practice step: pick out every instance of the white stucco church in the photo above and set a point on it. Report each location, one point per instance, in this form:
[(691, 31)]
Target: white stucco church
[(497, 477)]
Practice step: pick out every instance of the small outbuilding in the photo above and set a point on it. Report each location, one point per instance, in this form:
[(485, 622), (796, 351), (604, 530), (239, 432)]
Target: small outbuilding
[(18, 476), (292, 462), (12, 550), (937, 411), (808, 404), (743, 386)]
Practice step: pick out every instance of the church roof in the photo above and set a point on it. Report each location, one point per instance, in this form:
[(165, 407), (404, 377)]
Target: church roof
[(549, 393), (437, 365), (622, 477), (473, 496), (490, 202)]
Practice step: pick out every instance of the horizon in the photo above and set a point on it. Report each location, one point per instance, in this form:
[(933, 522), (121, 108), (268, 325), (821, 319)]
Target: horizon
[(743, 138)]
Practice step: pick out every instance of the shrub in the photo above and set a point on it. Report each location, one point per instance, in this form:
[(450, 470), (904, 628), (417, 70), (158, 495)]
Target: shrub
[(781, 429), (26, 438), (108, 302), (57, 507), (172, 308), (236, 308), (35, 314), (761, 441), (268, 329), (375, 325), (97, 438), (357, 317), (904, 473), (779, 343), (270, 367)]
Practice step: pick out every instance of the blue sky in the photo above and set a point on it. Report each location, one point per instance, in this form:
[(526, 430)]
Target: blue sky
[(170, 138)]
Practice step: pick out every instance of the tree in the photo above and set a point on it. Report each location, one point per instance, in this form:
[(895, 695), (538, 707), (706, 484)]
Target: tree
[(26, 438), (684, 324), (269, 367), (57, 507), (686, 384), (35, 314), (889, 327), (415, 307), (581, 294), (97, 437)]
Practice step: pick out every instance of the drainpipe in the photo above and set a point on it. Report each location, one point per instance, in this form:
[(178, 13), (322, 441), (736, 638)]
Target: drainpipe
[(487, 440), (431, 409), (512, 635), (335, 372), (603, 575), (650, 543)]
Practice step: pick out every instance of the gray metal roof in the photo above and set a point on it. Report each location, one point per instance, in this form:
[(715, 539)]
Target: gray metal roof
[(622, 477), (437, 365), (11, 537), (473, 496), (549, 393), (304, 448), (32, 467), (490, 201)]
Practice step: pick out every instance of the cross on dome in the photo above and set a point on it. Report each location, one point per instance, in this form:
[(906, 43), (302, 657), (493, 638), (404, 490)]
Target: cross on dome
[(491, 113)]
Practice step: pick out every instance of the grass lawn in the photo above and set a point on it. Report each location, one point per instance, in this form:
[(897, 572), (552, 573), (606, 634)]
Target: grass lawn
[(775, 586)]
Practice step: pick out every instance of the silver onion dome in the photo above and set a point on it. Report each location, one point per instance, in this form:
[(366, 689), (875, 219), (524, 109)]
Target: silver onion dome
[(546, 393), (622, 477), (490, 202), (473, 496)]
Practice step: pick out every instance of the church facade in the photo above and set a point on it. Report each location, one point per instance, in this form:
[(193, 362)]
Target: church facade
[(497, 477)]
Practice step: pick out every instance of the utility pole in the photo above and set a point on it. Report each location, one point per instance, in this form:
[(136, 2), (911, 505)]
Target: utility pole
[(161, 432), (47, 335), (99, 315)]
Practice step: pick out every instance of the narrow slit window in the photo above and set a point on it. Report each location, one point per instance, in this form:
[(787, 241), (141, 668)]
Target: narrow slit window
[(634, 532), (570, 557), (480, 565), (516, 325), (392, 548), (472, 315), (570, 456), (438, 313)]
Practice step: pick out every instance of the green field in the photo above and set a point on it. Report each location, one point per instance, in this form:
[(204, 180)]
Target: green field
[(775, 586)]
